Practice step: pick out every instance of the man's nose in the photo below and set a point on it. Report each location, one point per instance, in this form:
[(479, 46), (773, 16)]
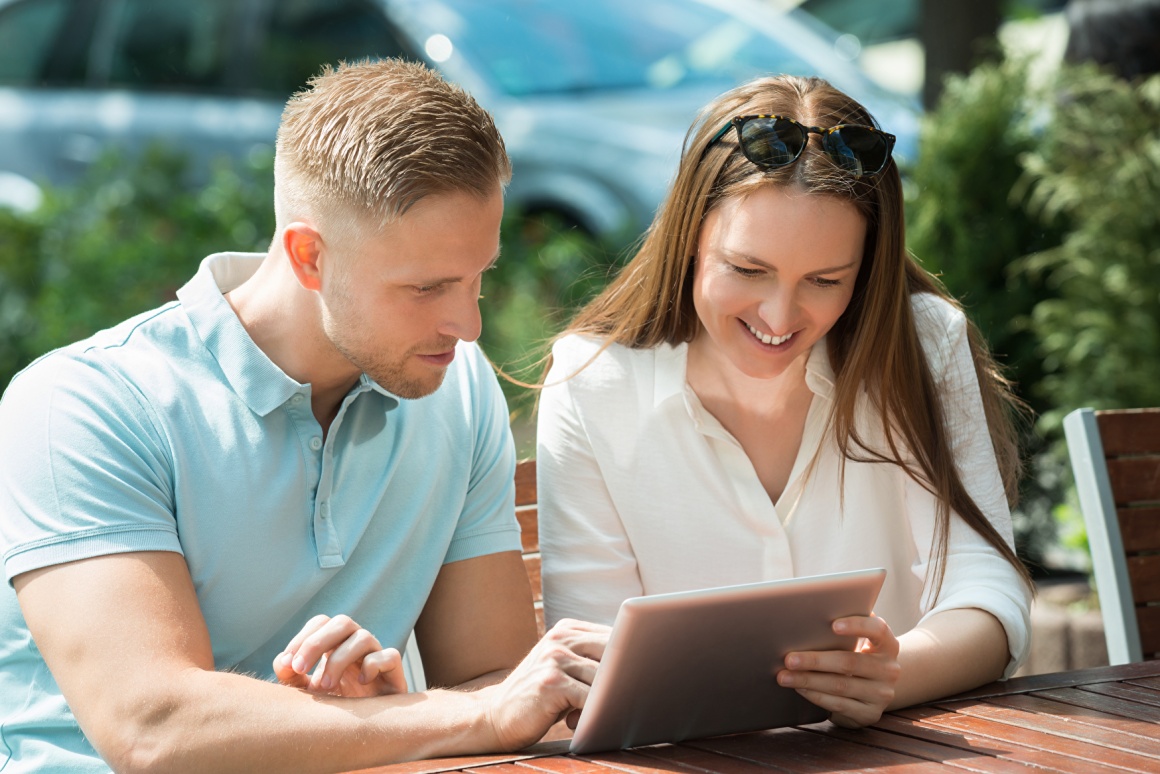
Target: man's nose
[(463, 320)]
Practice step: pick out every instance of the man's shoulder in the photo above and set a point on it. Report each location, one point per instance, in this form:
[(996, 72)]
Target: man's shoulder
[(115, 354)]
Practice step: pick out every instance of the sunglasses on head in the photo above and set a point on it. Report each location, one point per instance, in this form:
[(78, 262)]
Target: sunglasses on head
[(776, 141)]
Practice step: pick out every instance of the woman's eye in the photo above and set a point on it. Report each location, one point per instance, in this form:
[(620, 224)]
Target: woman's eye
[(824, 282), (744, 272)]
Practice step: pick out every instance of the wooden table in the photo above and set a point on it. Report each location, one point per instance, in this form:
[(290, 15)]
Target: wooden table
[(1089, 722)]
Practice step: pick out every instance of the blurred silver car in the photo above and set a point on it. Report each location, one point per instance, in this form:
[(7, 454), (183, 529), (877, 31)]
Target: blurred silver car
[(593, 97)]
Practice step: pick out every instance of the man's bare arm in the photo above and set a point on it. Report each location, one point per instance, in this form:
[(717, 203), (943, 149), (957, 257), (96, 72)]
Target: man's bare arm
[(126, 641), (478, 621)]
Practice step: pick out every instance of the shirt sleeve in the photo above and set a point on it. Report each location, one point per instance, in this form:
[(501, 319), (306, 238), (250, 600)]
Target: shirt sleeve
[(84, 471), (487, 523), (588, 563), (977, 575)]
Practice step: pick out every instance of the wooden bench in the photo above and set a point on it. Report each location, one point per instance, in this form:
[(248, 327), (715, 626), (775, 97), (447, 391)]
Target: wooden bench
[(527, 515), (1116, 459)]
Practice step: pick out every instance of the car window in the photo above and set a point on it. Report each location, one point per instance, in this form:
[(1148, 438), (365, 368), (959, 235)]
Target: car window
[(171, 45), (29, 32), (302, 35), (542, 47)]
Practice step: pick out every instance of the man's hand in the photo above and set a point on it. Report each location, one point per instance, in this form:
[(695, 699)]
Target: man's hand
[(855, 687), (337, 657), (550, 684)]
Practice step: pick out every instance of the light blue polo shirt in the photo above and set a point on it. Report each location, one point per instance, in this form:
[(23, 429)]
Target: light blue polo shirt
[(174, 432)]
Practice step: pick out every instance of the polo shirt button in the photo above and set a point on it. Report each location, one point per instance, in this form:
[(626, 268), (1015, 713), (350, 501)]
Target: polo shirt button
[(296, 399), (316, 443), (325, 510)]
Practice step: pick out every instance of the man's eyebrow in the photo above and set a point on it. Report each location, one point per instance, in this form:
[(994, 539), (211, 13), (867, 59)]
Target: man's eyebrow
[(758, 262), (446, 280)]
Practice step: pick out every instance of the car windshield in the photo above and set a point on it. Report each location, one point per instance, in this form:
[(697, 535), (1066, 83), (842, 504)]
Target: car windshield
[(527, 47)]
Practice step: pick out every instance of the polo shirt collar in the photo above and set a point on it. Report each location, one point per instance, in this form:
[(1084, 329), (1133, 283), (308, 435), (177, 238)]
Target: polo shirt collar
[(672, 364), (252, 375)]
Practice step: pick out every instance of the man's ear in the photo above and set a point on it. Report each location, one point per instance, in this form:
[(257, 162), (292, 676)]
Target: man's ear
[(303, 247)]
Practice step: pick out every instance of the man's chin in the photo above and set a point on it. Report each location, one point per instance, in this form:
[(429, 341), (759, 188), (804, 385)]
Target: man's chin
[(411, 387)]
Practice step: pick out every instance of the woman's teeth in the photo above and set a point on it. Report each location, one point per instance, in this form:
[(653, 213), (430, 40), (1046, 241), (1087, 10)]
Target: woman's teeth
[(766, 338)]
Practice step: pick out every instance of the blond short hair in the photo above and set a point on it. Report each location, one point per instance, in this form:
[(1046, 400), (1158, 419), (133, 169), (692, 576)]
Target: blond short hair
[(366, 141)]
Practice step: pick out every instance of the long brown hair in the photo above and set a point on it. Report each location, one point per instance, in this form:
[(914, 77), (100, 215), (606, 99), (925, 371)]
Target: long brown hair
[(873, 346)]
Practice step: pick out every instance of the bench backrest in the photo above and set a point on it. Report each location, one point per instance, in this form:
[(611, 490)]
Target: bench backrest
[(526, 513), (1115, 456)]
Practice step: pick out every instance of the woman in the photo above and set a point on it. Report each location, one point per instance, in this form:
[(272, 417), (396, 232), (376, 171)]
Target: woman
[(773, 388)]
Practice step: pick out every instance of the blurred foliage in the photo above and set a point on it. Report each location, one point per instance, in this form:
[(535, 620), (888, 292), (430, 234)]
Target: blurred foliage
[(547, 269), (1097, 168), (135, 229), (1040, 209), (967, 220), (120, 242)]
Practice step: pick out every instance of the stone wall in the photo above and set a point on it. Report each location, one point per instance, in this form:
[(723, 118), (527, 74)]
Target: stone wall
[(1067, 630)]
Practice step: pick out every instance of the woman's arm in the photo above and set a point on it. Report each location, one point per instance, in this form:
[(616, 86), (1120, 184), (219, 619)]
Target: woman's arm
[(589, 567), (948, 653)]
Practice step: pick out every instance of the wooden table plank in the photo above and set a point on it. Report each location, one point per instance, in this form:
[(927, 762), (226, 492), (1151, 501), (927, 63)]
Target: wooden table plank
[(632, 762), (1145, 682), (950, 750), (1032, 683), (1006, 752), (636, 762), (1082, 723), (1011, 731), (560, 764), (1111, 705), (800, 752), (1130, 691)]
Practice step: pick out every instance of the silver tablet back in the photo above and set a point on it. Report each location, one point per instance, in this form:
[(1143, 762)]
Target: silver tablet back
[(703, 663)]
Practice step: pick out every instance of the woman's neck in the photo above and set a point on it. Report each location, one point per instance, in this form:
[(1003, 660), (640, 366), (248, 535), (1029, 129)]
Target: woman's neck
[(719, 384)]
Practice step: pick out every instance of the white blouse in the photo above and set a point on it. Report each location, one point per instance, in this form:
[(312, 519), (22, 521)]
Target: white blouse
[(642, 491)]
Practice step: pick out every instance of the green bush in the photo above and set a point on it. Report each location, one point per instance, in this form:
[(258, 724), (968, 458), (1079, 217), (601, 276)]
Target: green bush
[(1097, 167), (967, 218), (120, 242), (133, 231), (1040, 208)]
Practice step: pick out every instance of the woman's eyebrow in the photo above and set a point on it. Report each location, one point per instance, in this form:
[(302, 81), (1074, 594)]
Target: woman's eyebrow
[(758, 262)]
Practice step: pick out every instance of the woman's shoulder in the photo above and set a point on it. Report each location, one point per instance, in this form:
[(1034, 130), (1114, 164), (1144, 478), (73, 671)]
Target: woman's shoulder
[(941, 326), (595, 359)]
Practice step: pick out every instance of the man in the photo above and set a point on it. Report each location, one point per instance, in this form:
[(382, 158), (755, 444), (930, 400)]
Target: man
[(187, 498)]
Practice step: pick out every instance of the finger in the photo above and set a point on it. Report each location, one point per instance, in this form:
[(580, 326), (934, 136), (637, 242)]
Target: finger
[(587, 640), (323, 640), (869, 665), (871, 628), (385, 665), (285, 672), (313, 625), (844, 711), (349, 652)]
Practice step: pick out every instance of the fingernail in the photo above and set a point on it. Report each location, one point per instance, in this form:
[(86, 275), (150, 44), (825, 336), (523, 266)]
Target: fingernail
[(841, 626), (300, 665), (793, 662), (326, 682), (785, 678), (362, 678)]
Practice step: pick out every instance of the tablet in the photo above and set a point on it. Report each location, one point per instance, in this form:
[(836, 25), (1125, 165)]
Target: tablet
[(703, 663)]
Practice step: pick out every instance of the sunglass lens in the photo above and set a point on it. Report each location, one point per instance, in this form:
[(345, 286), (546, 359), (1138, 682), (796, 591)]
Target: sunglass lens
[(771, 142), (858, 150)]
